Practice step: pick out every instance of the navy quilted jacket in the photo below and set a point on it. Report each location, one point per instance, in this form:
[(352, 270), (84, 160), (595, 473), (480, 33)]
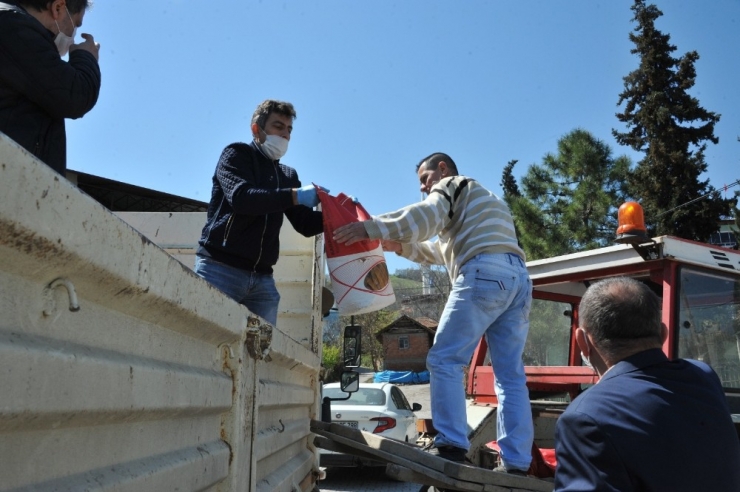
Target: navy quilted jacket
[(38, 89), (249, 197)]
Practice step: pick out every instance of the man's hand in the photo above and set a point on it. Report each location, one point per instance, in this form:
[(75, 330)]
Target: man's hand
[(308, 195), (351, 233), (88, 45), (392, 246)]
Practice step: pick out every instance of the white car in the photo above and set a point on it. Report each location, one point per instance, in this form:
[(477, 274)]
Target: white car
[(380, 408)]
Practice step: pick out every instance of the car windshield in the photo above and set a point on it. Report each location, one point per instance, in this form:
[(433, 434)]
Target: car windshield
[(364, 396)]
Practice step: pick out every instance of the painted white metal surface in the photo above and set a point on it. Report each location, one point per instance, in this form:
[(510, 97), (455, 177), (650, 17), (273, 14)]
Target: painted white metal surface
[(548, 273), (158, 381), (619, 255)]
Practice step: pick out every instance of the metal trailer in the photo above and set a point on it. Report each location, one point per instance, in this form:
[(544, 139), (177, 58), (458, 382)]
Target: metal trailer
[(122, 370), (699, 285)]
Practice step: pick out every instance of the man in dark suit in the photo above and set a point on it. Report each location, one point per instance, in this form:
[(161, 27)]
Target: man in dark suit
[(650, 423)]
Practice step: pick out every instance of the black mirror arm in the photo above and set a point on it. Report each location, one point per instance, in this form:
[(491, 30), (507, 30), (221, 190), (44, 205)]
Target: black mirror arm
[(326, 406)]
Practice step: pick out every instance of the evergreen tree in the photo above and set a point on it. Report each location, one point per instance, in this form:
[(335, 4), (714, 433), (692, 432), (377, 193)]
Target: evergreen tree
[(508, 181), (672, 129), (569, 202)]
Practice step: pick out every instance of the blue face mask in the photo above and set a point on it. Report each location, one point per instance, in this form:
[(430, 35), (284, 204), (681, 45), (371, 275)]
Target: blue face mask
[(62, 41)]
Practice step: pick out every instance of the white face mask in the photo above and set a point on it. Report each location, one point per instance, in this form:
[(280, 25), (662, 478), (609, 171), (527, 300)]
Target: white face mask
[(274, 146), (63, 41)]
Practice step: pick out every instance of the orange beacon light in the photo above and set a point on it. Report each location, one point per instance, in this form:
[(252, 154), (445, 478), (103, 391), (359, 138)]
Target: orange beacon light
[(631, 224)]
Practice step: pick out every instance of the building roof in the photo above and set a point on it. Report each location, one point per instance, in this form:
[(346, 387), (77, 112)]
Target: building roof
[(123, 197), (425, 324)]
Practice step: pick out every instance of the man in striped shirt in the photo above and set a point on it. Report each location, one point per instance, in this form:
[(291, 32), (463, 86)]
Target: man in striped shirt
[(469, 229)]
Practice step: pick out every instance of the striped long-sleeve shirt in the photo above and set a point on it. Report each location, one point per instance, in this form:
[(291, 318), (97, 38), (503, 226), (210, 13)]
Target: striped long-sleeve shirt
[(467, 219)]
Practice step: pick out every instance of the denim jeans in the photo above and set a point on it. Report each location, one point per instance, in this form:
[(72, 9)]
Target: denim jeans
[(256, 291), (491, 297)]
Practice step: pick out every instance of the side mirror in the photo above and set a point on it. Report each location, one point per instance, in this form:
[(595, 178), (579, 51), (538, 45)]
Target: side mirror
[(352, 346), (350, 381), (415, 407)]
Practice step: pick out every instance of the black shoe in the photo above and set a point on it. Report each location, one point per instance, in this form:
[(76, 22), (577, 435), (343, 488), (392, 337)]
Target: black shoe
[(448, 452), (510, 471)]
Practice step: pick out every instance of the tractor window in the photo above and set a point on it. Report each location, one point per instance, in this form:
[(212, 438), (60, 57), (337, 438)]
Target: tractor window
[(549, 334), (709, 320)]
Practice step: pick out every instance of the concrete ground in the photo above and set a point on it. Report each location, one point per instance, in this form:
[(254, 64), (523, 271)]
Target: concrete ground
[(363, 480)]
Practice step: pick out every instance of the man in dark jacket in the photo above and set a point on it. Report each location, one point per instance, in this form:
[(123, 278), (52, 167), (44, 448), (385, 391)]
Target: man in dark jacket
[(251, 192), (38, 89), (650, 423)]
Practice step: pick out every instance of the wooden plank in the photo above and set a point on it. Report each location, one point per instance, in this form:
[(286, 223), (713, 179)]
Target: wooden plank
[(345, 445), (416, 460)]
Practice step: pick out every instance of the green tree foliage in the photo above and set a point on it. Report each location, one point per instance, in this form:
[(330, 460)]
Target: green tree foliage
[(549, 334), (331, 361), (666, 123), (568, 203), (409, 274), (508, 181)]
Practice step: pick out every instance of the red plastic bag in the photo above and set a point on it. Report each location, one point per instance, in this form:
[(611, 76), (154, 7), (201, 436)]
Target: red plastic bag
[(359, 275)]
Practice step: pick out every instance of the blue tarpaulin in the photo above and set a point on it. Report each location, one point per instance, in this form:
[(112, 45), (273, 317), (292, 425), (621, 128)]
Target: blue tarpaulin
[(401, 377)]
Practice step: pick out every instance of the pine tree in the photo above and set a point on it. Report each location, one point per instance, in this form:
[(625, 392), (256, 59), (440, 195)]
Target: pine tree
[(672, 129), (569, 202), (508, 181)]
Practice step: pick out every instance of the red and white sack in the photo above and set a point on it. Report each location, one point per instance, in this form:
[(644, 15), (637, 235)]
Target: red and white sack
[(359, 275)]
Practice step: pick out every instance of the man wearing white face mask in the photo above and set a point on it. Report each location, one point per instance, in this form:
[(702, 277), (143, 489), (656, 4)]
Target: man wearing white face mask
[(38, 89), (252, 191), (648, 412)]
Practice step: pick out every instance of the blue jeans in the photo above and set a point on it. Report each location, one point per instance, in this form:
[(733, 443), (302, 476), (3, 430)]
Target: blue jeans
[(491, 297), (254, 290)]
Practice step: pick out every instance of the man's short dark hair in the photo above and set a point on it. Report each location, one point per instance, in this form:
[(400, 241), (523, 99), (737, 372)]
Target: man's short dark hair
[(432, 162), (74, 6), (269, 106), (620, 312)]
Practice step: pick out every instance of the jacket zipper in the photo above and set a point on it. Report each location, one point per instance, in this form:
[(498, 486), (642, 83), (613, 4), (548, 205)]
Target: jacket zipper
[(228, 229), (262, 238)]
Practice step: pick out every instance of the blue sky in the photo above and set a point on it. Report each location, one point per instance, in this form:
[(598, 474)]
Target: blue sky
[(378, 85)]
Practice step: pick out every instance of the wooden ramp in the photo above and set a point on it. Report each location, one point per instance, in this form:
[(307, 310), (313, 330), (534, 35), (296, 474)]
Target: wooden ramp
[(409, 463)]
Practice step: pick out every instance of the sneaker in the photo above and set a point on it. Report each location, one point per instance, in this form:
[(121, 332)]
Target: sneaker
[(448, 452), (510, 471)]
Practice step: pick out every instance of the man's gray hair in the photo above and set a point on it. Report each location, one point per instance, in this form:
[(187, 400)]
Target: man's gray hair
[(621, 312)]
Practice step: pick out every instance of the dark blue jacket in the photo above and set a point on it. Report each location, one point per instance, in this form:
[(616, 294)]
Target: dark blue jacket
[(38, 89), (650, 424), (249, 197)]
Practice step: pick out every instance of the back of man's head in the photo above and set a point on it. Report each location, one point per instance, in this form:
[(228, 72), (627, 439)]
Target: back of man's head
[(74, 6), (622, 316), (432, 162)]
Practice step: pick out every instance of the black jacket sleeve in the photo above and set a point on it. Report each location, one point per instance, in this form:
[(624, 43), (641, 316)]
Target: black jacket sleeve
[(237, 174), (31, 66)]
